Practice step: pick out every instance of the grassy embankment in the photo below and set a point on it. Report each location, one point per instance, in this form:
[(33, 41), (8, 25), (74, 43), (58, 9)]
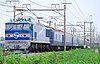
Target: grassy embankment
[(68, 57)]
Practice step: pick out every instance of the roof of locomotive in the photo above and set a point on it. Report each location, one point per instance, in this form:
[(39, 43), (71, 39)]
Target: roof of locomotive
[(50, 27), (21, 20)]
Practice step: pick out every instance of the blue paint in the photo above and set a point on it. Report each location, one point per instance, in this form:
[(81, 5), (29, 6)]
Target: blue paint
[(62, 38), (51, 37), (19, 38), (47, 32), (20, 21), (31, 28), (17, 32), (17, 23)]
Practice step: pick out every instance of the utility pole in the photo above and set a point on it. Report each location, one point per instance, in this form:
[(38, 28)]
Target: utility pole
[(14, 7), (84, 36), (93, 36), (14, 13), (90, 19), (65, 32), (90, 31), (72, 32), (56, 6), (65, 25), (90, 34)]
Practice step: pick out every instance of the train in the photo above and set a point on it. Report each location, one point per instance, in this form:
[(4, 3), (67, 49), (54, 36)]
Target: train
[(30, 36)]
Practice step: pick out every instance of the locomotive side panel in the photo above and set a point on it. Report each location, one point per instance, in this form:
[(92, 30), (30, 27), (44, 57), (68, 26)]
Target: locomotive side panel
[(39, 34)]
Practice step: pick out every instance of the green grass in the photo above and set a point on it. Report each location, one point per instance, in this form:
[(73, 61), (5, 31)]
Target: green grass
[(1, 56), (78, 56)]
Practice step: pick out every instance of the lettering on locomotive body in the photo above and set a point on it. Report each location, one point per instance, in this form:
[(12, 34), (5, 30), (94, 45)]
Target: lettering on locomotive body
[(16, 35)]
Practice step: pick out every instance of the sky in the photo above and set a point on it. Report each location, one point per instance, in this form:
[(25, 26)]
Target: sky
[(78, 11)]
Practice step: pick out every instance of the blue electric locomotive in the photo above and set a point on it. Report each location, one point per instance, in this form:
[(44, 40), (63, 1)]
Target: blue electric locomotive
[(18, 34), (23, 34)]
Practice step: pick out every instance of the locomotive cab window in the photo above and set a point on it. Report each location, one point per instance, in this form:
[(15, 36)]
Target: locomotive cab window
[(9, 26), (16, 26), (47, 33), (35, 35)]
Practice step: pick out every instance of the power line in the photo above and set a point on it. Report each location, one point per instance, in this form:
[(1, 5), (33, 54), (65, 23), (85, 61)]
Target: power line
[(79, 8), (81, 15), (2, 2), (6, 15), (78, 12), (64, 1), (5, 5), (61, 1), (63, 15), (39, 4), (52, 16), (50, 7), (73, 14), (44, 6), (70, 12), (32, 12), (59, 13)]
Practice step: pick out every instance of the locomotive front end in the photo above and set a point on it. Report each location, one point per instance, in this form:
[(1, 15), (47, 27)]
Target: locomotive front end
[(18, 35)]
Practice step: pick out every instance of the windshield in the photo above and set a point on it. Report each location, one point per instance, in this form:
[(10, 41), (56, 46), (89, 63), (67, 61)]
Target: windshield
[(17, 26)]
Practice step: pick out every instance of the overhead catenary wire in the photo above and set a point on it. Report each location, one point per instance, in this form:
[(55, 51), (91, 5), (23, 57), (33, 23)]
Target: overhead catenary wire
[(77, 12), (5, 15), (44, 6), (36, 16), (53, 17), (32, 12), (81, 15), (63, 15), (59, 13), (39, 4), (2, 2), (6, 5), (80, 9), (73, 14), (61, 1)]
